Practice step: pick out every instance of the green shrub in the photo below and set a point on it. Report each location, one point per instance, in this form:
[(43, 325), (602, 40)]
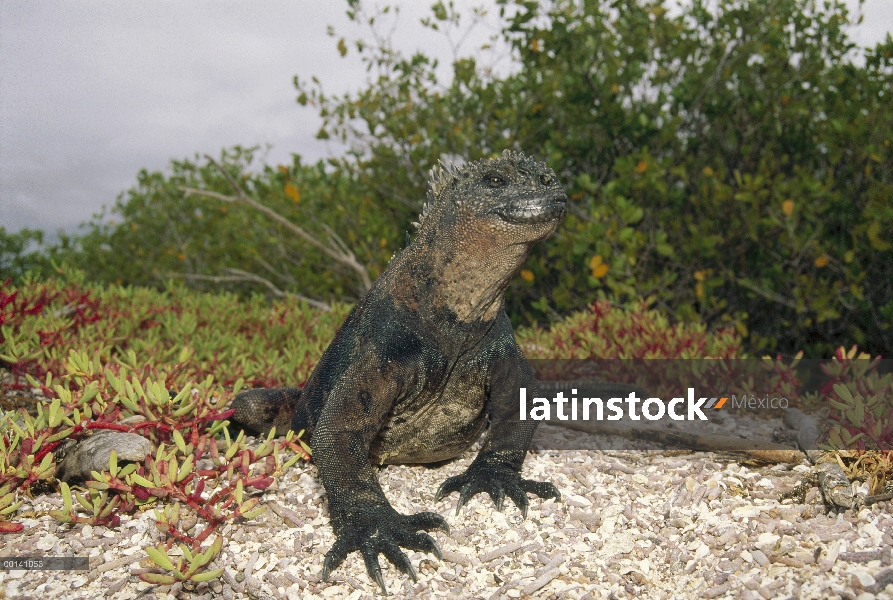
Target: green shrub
[(730, 165), (156, 231), (21, 253), (635, 332)]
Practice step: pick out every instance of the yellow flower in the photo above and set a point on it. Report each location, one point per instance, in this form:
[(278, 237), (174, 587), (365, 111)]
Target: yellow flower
[(699, 286), (787, 207), (527, 275), (292, 192), (600, 271), (821, 261)]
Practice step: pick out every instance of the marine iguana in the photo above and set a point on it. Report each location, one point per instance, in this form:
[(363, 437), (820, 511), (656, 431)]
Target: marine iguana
[(425, 362)]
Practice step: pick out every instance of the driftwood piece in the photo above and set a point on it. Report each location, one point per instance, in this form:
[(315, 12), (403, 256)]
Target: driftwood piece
[(757, 451)]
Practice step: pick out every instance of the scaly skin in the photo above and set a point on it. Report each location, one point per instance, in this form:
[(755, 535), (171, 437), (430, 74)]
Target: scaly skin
[(425, 362)]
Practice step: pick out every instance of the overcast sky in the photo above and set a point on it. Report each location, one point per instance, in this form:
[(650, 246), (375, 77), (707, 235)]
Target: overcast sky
[(91, 92)]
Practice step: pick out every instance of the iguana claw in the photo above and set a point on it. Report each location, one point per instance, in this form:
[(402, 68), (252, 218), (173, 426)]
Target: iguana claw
[(382, 530), (498, 481)]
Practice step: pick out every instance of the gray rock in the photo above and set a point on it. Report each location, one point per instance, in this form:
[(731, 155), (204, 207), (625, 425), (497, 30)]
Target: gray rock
[(92, 453)]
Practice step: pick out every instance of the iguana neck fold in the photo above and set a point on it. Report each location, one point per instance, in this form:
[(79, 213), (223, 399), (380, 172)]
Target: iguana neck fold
[(467, 278)]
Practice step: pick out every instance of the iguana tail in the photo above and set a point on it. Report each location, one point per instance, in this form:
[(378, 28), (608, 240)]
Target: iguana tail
[(262, 409)]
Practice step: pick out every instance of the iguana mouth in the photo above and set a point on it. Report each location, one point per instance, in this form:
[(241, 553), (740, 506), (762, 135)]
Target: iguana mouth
[(533, 209)]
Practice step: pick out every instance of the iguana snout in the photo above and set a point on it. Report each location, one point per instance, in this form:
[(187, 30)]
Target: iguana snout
[(533, 209)]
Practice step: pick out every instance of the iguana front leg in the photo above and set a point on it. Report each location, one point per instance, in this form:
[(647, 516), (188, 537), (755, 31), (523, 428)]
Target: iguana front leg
[(361, 515), (497, 468)]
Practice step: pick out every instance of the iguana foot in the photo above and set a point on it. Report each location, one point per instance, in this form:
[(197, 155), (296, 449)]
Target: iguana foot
[(498, 481), (381, 529)]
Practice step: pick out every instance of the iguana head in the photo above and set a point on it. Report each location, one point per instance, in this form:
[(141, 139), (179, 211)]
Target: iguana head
[(479, 224), (513, 197)]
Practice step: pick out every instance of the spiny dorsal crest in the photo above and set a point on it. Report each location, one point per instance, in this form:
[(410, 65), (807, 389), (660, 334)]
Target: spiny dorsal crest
[(442, 175)]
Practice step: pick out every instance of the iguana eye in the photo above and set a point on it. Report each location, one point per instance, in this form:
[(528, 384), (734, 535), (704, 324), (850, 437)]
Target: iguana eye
[(494, 181), (546, 179)]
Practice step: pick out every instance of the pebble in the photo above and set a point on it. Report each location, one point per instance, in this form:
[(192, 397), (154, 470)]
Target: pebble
[(760, 558), (767, 541), (871, 531), (46, 542), (79, 581), (702, 551), (13, 589), (865, 579), (746, 512), (727, 537), (717, 590), (578, 501)]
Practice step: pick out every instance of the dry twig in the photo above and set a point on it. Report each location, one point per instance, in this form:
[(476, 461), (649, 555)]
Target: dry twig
[(240, 275), (335, 248)]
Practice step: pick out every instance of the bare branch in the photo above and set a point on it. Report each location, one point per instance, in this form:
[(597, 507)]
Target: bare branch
[(579, 212), (336, 239), (339, 253), (188, 191), (246, 276), (273, 270), (239, 275), (714, 77), (768, 295)]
